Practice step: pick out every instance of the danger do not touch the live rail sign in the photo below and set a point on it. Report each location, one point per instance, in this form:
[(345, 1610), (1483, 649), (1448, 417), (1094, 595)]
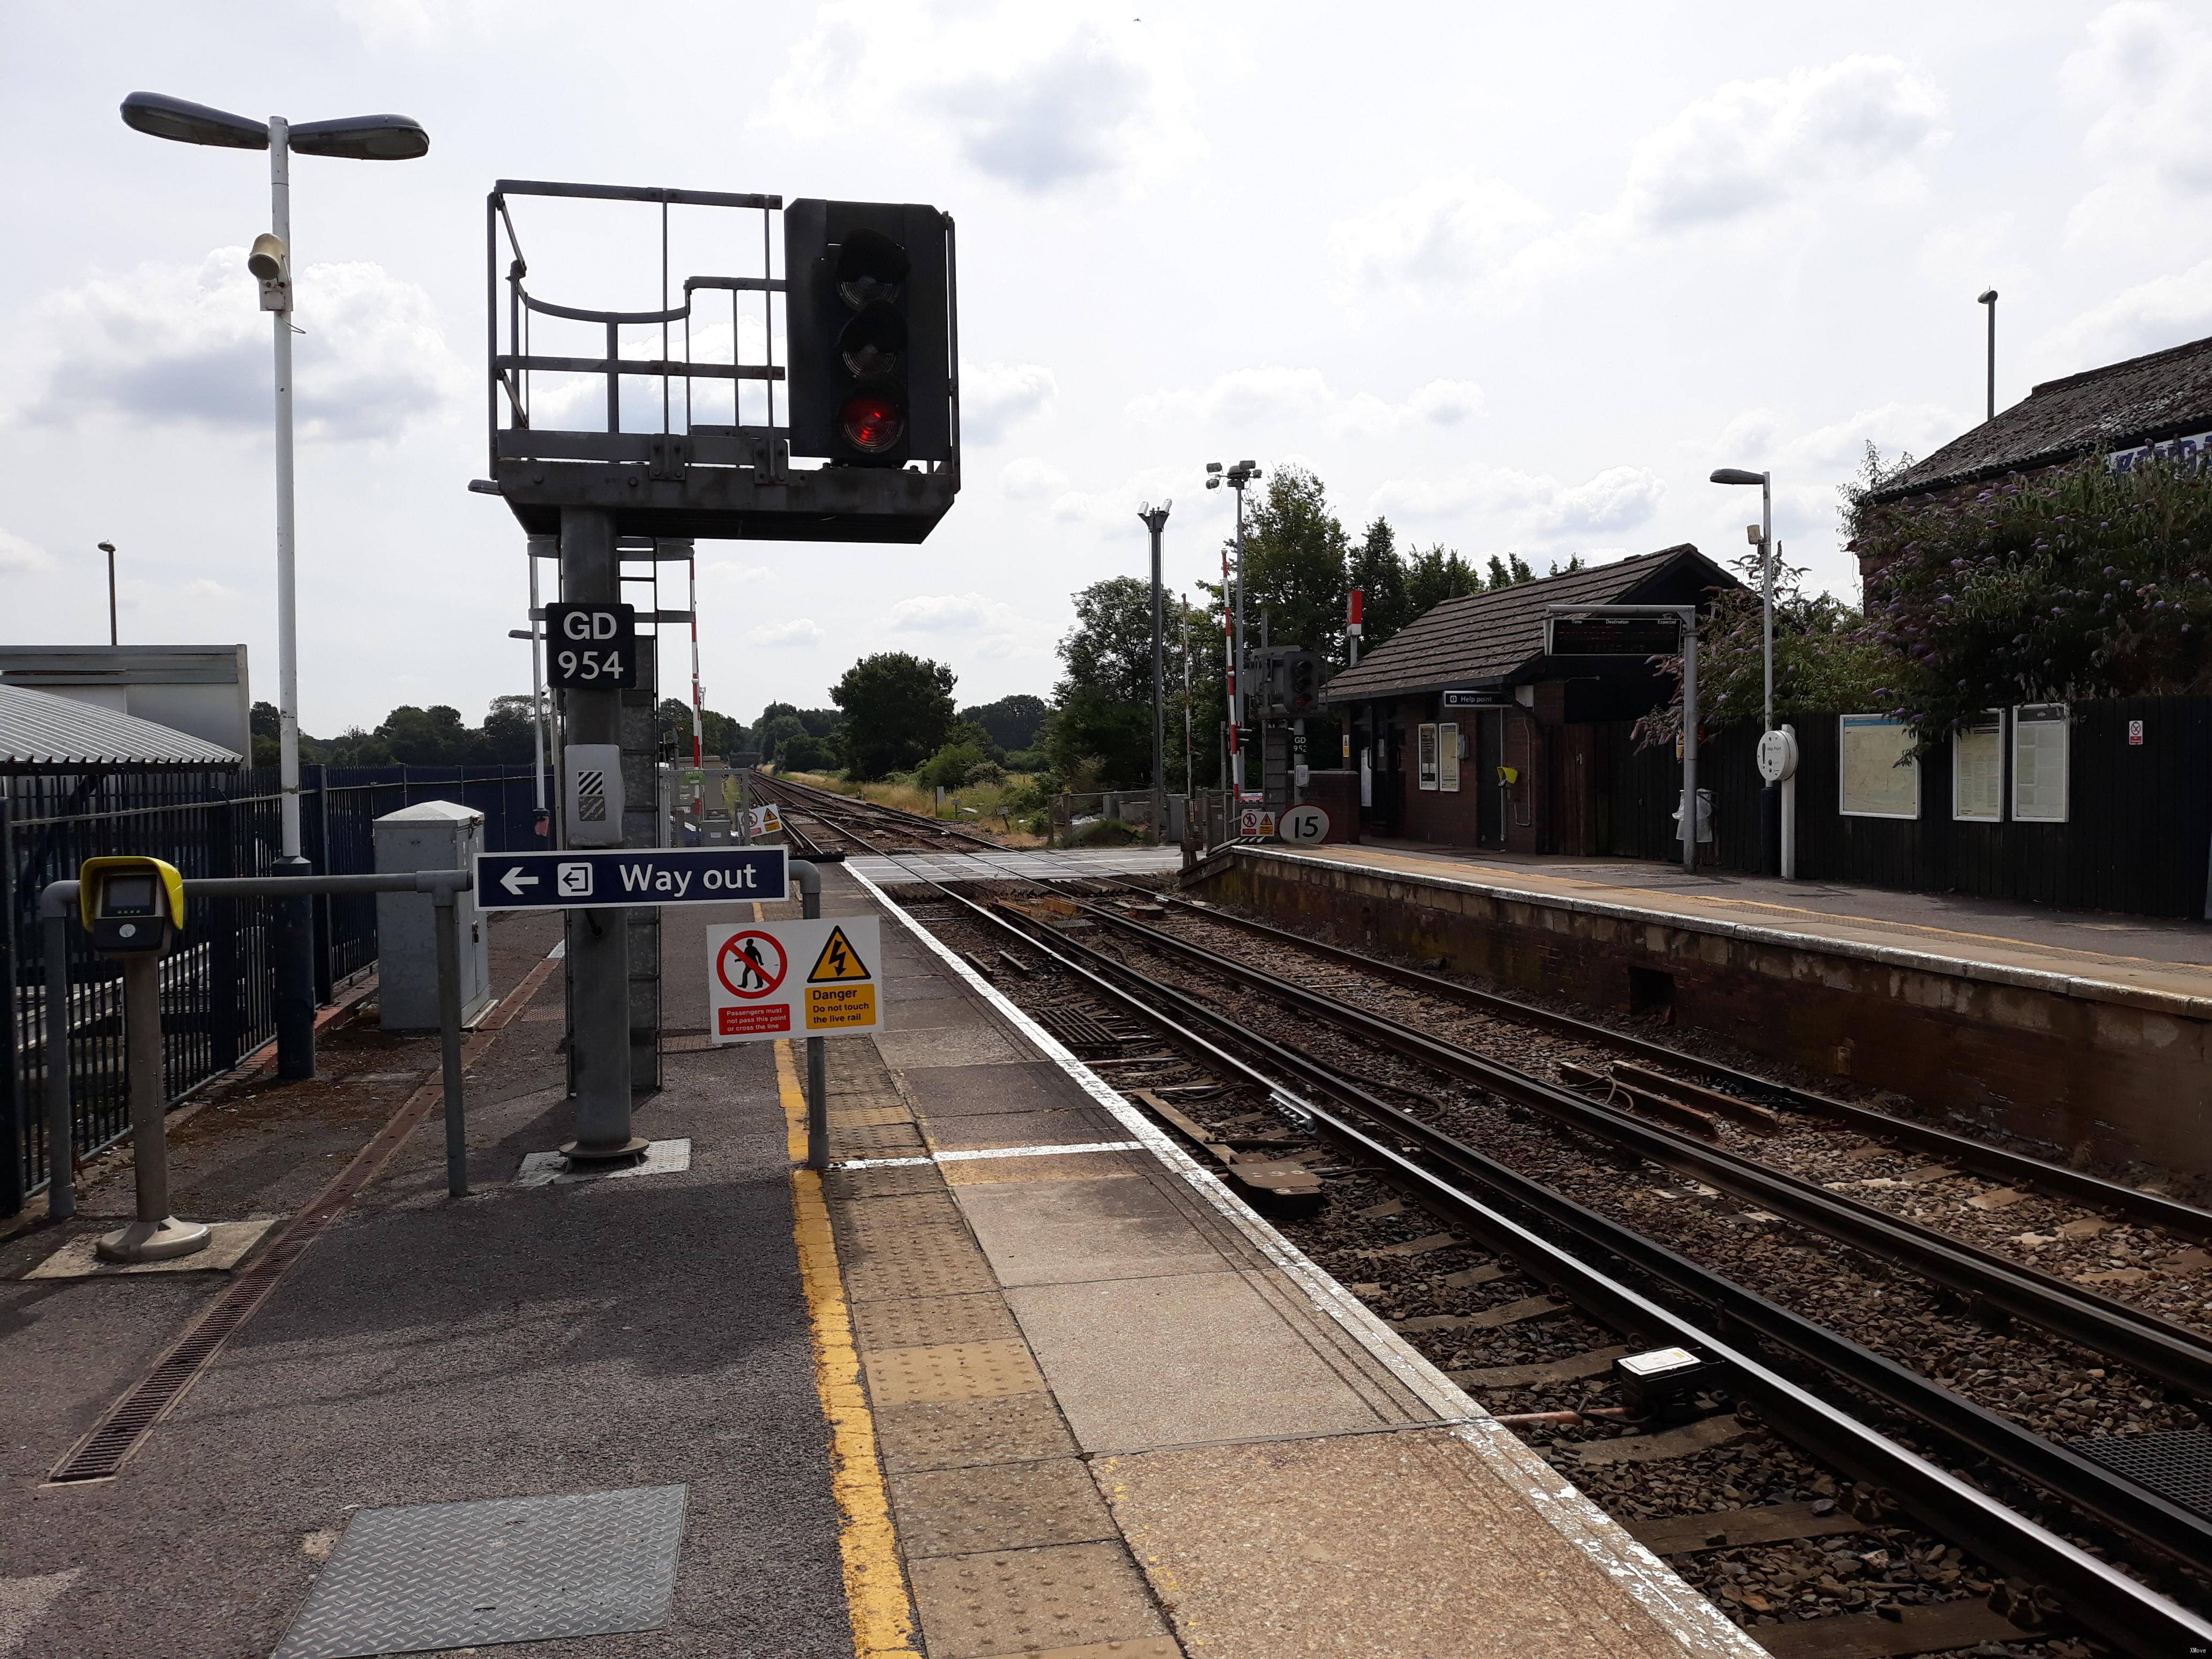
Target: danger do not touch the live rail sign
[(573, 881), (772, 979)]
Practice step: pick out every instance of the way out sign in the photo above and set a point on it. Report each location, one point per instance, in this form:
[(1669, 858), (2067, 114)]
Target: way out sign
[(773, 979)]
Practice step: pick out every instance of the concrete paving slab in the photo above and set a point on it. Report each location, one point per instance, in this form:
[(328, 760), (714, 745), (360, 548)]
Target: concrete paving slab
[(1059, 1232), (1058, 1126), (549, 1168), (977, 1090), (1404, 1543), (227, 1243), (977, 1605), (1180, 1360), (1086, 1165), (945, 1434), (1006, 1506), (959, 1045)]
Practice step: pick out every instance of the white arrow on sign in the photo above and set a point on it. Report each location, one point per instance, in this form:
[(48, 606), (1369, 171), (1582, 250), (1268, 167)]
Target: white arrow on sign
[(514, 881)]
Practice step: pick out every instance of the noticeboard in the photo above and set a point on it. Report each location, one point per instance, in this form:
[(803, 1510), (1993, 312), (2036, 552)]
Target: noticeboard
[(1876, 781), (1977, 769), (2039, 762), (1612, 636)]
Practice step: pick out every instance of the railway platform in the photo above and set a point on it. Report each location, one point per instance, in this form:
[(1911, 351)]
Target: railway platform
[(1014, 1377), (2086, 1034)]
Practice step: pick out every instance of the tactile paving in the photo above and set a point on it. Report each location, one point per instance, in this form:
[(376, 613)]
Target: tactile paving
[(947, 1434), (928, 1321), (845, 1186), (869, 1117), (952, 1370), (975, 1606), (875, 1140), (930, 1264), (434, 1575), (1003, 1506), (1069, 1166)]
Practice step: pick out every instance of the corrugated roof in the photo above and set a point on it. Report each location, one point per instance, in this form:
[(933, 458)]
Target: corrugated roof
[(38, 728), (1485, 638), (2168, 394)]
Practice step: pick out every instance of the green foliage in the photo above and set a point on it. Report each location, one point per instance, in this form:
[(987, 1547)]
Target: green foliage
[(2078, 583), (1108, 832), (1825, 660), (266, 721), (1296, 558), (1028, 760), (948, 768), (1104, 698), (898, 712), (1011, 722), (1436, 575), (805, 752), (1109, 649), (1108, 737), (1376, 570)]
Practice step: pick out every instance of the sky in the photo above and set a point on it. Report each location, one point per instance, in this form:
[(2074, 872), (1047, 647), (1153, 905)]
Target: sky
[(1517, 278)]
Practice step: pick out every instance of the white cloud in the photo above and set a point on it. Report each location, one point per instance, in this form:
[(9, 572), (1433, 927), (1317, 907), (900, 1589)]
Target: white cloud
[(2164, 311), (1037, 97), (728, 573), (993, 397), (1030, 479), (19, 557), (2145, 75), (988, 627), (175, 343), (1532, 507), (1861, 125), (1247, 397), (798, 634)]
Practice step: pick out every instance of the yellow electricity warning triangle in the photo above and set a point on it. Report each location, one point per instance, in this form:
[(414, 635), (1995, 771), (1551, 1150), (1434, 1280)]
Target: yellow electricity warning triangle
[(838, 961)]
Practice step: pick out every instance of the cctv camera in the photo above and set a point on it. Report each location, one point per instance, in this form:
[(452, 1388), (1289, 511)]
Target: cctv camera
[(268, 258)]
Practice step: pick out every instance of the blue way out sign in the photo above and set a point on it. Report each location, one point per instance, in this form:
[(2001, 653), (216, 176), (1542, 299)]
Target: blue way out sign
[(577, 881)]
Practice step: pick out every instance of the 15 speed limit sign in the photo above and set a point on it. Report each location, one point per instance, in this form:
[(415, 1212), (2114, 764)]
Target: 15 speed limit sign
[(590, 648)]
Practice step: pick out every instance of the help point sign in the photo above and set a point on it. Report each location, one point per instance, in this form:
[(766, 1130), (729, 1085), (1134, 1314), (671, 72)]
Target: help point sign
[(774, 979)]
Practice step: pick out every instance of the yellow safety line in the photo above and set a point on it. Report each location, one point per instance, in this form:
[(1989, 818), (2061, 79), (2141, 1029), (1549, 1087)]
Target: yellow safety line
[(875, 1589)]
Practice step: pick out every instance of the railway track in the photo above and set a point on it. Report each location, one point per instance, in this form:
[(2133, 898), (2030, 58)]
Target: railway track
[(863, 826)]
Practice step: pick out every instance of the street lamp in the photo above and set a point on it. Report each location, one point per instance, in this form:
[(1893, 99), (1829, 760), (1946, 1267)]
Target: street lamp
[(1237, 477), (1988, 297), (360, 138), (1770, 797), (114, 637), (1155, 519)]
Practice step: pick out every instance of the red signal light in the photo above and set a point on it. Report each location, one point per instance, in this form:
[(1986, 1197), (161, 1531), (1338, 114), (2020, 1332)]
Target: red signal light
[(872, 422)]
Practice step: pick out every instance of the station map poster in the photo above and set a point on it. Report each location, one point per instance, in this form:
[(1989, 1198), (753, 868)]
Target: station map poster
[(1877, 781), (1428, 740), (1977, 769), (2038, 762)]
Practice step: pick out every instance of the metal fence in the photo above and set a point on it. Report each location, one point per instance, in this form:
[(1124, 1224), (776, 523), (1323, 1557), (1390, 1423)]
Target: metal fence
[(216, 1005)]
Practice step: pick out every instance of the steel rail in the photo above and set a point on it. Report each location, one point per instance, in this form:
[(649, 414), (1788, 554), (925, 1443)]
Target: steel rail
[(2138, 1619), (1984, 1159), (2173, 1354), (854, 807)]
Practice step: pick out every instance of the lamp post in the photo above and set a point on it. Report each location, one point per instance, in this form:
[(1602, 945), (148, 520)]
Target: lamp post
[(114, 637), (1155, 519), (1770, 795), (1988, 298), (1237, 477), (360, 138)]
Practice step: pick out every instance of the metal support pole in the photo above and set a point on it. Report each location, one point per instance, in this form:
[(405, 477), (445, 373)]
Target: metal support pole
[(809, 878), (1240, 698), (155, 1236), (598, 940), (540, 547), (1689, 741), (1770, 795), (1156, 520), (61, 1131), (292, 935), (1790, 817), (449, 1039)]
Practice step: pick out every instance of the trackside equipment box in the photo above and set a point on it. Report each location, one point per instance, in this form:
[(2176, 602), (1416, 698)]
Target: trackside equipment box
[(434, 835)]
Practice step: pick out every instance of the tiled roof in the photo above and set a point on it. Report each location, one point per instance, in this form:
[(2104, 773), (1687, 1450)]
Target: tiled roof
[(2168, 394), (1487, 637), (38, 728)]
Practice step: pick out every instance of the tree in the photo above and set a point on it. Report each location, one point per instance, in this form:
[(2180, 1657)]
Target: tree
[(1102, 720), (509, 737), (1011, 722), (897, 709), (1436, 575), (1377, 571), (1295, 560)]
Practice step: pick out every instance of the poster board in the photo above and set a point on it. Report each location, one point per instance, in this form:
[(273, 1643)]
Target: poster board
[(1428, 748), (1448, 757), (1874, 784), (2039, 763), (1977, 769)]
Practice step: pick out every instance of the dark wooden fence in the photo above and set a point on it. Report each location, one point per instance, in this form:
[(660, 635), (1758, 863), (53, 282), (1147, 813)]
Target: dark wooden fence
[(2138, 837)]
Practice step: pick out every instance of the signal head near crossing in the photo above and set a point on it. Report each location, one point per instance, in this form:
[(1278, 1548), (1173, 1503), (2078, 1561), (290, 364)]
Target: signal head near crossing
[(689, 427)]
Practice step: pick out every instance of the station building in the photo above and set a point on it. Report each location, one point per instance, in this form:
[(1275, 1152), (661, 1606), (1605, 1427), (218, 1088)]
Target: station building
[(1464, 732)]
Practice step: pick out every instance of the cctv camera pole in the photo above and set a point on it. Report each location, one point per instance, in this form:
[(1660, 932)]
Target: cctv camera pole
[(293, 936), (598, 940), (1156, 520), (114, 636), (1989, 300)]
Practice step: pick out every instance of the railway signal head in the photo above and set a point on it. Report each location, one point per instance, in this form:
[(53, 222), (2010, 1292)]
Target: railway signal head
[(869, 332), (1301, 683)]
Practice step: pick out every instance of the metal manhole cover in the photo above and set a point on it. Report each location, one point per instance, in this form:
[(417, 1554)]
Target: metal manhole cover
[(433, 1576), (2176, 1464), (1081, 1030)]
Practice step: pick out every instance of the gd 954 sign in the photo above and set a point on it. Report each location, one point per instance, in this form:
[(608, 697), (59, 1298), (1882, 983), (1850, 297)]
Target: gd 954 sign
[(590, 648)]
